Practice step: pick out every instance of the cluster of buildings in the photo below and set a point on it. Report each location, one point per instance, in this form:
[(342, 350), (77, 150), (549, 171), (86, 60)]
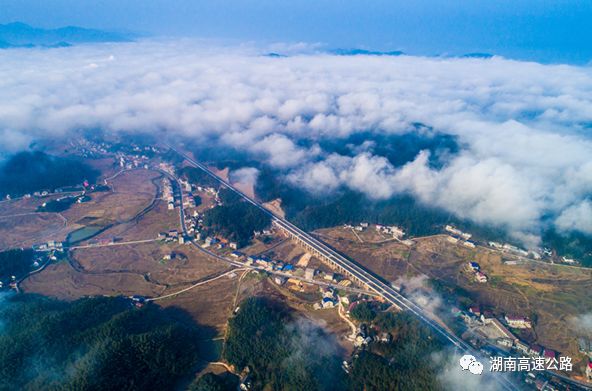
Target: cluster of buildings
[(220, 243), (492, 328), (88, 148), (269, 264), (51, 245), (360, 227), (536, 254), (167, 167), (393, 230), (130, 162), (475, 268), (194, 225), (364, 337), (167, 193), (517, 251), (172, 236), (329, 299), (45, 193), (457, 236), (518, 322), (188, 197), (506, 247), (569, 261)]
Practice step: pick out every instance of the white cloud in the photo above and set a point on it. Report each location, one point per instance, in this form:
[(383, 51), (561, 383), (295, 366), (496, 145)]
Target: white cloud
[(524, 127), (452, 377), (576, 217)]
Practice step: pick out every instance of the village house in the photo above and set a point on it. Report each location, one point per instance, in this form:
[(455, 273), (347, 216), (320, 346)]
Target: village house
[(535, 350), (480, 277), (475, 310), (495, 245), (521, 347), (168, 257), (569, 261), (458, 232), (549, 353), (469, 244), (518, 322), (452, 239), (288, 268), (503, 330), (505, 342)]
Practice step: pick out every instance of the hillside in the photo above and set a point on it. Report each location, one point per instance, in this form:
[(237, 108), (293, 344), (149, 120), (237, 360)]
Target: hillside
[(93, 343)]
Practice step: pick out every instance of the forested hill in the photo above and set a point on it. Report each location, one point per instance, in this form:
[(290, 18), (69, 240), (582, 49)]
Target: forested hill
[(93, 344), (282, 353), (27, 172), (236, 219), (292, 354)]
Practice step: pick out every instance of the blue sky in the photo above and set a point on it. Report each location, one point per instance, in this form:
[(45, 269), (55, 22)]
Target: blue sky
[(547, 31)]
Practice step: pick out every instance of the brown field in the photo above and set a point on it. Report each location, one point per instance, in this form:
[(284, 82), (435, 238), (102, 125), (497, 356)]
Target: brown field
[(556, 294), (139, 270), (133, 192), (106, 166), (147, 226), (28, 229)]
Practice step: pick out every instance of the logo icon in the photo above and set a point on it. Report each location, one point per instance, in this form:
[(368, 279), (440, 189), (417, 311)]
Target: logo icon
[(470, 363)]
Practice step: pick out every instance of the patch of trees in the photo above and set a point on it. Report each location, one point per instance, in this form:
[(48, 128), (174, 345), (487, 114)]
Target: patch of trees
[(93, 344), (364, 312), (404, 363), (574, 245), (197, 200), (236, 219), (15, 262), (213, 382), (399, 149), (198, 177), (281, 352), (27, 172), (312, 212), (452, 293), (352, 208), (57, 206)]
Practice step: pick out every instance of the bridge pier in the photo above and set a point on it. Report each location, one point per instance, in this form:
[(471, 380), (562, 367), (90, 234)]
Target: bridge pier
[(329, 262)]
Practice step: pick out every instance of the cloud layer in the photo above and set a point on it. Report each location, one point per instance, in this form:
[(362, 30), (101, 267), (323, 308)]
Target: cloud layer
[(525, 128)]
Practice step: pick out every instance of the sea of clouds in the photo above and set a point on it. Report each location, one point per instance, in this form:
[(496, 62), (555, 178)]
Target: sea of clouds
[(525, 129)]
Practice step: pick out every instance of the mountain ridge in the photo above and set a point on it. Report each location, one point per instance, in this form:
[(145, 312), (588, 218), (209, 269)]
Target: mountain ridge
[(22, 35)]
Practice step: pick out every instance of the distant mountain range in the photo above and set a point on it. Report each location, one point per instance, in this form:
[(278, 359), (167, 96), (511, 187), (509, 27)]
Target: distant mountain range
[(477, 55), (21, 35), (364, 52)]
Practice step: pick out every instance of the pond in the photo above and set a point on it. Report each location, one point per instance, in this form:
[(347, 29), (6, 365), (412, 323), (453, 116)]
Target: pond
[(84, 233)]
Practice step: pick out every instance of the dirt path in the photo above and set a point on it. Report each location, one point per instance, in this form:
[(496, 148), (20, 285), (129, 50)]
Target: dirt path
[(354, 329), (194, 285)]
